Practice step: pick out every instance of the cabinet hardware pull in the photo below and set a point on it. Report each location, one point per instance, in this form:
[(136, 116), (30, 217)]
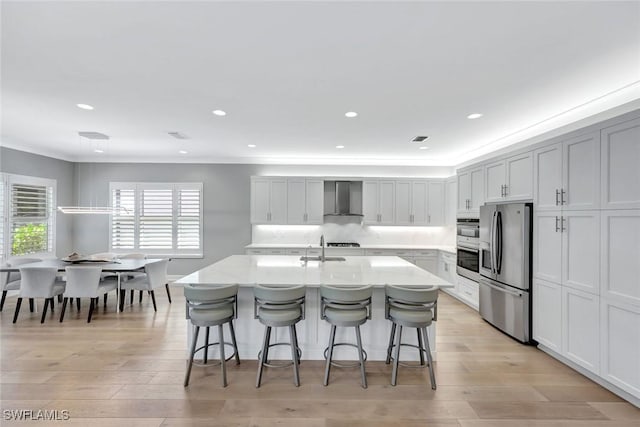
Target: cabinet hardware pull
[(557, 197), (505, 190), (562, 193), (429, 219), (563, 222), (557, 228)]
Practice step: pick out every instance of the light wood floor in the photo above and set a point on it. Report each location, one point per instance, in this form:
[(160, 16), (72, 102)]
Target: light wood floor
[(127, 369)]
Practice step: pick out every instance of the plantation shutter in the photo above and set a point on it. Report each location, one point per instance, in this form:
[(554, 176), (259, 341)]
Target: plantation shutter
[(31, 224), (123, 225), (188, 218), (156, 219)]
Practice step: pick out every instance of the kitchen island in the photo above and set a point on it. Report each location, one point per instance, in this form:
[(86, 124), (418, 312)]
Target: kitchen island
[(313, 333)]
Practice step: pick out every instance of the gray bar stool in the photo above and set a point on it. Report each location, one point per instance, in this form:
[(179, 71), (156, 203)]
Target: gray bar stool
[(212, 306), (413, 308), (278, 307), (350, 307)]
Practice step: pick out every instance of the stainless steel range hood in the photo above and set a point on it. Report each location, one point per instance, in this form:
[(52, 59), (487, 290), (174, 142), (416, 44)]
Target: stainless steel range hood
[(343, 199)]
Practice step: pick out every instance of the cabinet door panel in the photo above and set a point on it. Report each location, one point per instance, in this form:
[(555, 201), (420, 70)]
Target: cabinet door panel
[(547, 247), (547, 314), (435, 206), (519, 177), (296, 209), (427, 263), (582, 172), (314, 201), (464, 191), (278, 206), (403, 202), (621, 345), (547, 177), (370, 202), (620, 262), (620, 171), (494, 181), (451, 202), (419, 204), (260, 201), (477, 189), (387, 201), (581, 250), (581, 332)]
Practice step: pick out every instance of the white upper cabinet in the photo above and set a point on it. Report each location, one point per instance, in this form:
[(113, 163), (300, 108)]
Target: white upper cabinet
[(314, 201), (269, 201), (378, 202), (547, 246), (509, 179), (581, 172), (435, 203), (547, 164), (620, 262), (620, 166), (403, 203), (420, 199), (296, 205), (581, 250), (451, 201), (470, 191)]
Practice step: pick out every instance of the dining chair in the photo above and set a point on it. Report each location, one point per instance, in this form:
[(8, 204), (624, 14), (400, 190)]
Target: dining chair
[(156, 276), (130, 276), (11, 281), (38, 282), (85, 282)]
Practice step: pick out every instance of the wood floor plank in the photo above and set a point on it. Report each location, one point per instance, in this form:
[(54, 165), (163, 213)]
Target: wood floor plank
[(536, 410)]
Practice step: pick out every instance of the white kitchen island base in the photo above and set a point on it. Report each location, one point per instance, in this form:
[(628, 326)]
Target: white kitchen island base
[(313, 332)]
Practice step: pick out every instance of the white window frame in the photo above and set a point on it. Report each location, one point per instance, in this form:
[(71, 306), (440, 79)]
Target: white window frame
[(6, 180), (174, 252)]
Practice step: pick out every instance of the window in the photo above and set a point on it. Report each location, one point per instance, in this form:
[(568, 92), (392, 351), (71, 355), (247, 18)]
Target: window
[(27, 215), (157, 218)]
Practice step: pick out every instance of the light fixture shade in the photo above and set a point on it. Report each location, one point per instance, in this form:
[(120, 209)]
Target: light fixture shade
[(95, 210)]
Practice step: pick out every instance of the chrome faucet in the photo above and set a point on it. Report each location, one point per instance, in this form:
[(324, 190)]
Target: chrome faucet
[(322, 245)]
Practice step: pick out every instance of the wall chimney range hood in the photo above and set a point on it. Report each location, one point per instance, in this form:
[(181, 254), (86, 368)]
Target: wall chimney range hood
[(343, 199)]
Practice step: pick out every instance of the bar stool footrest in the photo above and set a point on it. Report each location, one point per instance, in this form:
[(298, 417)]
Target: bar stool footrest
[(214, 362), (410, 365), (279, 365), (345, 365)]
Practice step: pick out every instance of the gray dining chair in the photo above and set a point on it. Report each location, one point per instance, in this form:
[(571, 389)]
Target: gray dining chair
[(156, 276), (10, 281), (85, 282), (39, 282), (130, 276), (412, 308)]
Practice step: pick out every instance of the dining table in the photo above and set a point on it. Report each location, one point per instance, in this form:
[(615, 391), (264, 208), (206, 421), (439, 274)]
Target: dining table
[(118, 267)]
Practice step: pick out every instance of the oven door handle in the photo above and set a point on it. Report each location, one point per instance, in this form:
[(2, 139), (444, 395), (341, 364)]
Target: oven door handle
[(465, 248)]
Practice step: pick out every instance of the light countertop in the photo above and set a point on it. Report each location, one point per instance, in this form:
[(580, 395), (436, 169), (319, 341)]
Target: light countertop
[(450, 249), (249, 270)]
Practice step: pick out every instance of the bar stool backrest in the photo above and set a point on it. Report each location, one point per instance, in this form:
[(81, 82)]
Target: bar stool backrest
[(202, 298), (421, 299), (82, 281), (345, 298), (37, 282), (278, 297)]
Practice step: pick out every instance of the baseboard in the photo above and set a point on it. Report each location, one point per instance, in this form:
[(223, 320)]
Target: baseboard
[(593, 377)]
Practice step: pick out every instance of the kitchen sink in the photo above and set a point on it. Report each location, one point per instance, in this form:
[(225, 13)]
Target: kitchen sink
[(317, 258)]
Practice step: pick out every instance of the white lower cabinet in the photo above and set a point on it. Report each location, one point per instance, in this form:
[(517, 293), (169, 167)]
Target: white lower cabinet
[(580, 328), (620, 350), (547, 309), (429, 263)]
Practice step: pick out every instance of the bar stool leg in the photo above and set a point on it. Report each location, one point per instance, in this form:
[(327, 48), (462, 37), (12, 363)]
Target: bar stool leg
[(294, 355), (429, 359), (361, 357), (222, 357), (390, 347), (295, 336), (193, 352), (266, 354), (233, 341), (206, 345), (420, 346), (263, 356), (394, 371), (327, 368)]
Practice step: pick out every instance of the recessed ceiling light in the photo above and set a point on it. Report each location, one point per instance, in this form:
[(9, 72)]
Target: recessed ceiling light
[(251, 145), (351, 114), (424, 147), (183, 151), (97, 150), (85, 106), (419, 139), (474, 116), (219, 113), (340, 146)]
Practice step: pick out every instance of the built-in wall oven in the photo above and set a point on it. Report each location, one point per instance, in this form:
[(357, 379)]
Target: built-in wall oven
[(468, 248)]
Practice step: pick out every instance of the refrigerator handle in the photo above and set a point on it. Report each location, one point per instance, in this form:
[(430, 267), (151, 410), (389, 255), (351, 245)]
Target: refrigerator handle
[(499, 242)]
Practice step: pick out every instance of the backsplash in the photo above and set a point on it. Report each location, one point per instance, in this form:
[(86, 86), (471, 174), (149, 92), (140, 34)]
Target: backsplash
[(363, 234)]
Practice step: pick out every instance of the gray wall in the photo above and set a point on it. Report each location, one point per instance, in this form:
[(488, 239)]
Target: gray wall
[(226, 201), (22, 163)]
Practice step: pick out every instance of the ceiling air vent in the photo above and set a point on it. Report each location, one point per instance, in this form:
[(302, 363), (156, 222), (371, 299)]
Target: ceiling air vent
[(93, 135), (178, 135), (419, 138)]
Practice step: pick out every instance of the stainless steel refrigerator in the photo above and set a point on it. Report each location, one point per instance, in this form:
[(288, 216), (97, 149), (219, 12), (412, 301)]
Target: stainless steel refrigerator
[(505, 267)]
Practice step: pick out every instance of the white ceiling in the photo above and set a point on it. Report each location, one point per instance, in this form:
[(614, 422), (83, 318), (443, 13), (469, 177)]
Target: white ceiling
[(287, 72)]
